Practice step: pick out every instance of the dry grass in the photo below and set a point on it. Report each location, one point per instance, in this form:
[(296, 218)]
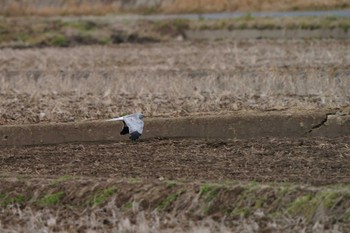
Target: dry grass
[(88, 7), (46, 220), (248, 207), (172, 79), (254, 5), (47, 8), (183, 56)]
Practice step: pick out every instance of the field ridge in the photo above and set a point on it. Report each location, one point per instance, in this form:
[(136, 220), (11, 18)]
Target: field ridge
[(225, 200)]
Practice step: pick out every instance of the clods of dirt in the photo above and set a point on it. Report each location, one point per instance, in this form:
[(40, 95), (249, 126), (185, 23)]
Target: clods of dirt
[(316, 161)]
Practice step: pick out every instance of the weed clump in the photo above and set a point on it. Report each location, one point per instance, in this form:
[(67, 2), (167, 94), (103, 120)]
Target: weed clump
[(50, 199), (101, 196), (7, 200), (59, 40)]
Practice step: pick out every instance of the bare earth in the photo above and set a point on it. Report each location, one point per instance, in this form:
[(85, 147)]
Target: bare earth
[(177, 186), (309, 161)]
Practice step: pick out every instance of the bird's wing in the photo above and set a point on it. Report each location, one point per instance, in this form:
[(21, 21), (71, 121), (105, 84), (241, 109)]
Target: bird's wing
[(125, 129), (116, 119), (134, 123)]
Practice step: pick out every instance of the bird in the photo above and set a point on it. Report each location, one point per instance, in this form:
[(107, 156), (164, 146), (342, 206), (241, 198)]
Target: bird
[(133, 124)]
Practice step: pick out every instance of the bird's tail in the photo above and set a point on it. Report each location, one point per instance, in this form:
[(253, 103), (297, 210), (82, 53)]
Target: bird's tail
[(116, 119)]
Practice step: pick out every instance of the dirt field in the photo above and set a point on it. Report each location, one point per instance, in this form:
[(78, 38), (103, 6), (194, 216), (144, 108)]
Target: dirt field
[(178, 79), (177, 185), (309, 161)]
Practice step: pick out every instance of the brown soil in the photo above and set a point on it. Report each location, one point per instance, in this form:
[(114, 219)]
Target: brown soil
[(315, 161), (178, 185)]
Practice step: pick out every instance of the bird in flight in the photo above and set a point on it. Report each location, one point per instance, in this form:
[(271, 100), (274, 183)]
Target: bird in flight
[(133, 124)]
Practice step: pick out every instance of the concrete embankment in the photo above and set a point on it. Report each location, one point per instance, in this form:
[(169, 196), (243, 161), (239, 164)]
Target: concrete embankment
[(241, 125)]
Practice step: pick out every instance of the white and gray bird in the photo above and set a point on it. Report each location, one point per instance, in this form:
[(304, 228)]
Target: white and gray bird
[(133, 124)]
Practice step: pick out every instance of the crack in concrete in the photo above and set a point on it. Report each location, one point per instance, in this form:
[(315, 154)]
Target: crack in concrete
[(322, 123)]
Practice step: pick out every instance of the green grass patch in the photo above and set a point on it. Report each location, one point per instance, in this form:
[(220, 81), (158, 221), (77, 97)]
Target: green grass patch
[(234, 199), (7, 200), (306, 205), (59, 40), (23, 36), (127, 206), (249, 200), (50, 199), (105, 41), (303, 205), (167, 201), (330, 198), (209, 193), (102, 195)]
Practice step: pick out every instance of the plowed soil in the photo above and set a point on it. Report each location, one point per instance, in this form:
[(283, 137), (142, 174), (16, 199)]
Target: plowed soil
[(57, 85), (311, 161)]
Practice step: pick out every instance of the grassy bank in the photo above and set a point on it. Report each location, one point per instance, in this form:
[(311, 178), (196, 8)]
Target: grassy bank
[(169, 204), (41, 32)]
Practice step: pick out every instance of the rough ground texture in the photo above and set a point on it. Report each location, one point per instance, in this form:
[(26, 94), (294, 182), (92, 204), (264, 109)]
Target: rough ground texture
[(178, 79), (88, 7), (174, 79), (131, 205), (177, 186), (36, 32), (310, 161)]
